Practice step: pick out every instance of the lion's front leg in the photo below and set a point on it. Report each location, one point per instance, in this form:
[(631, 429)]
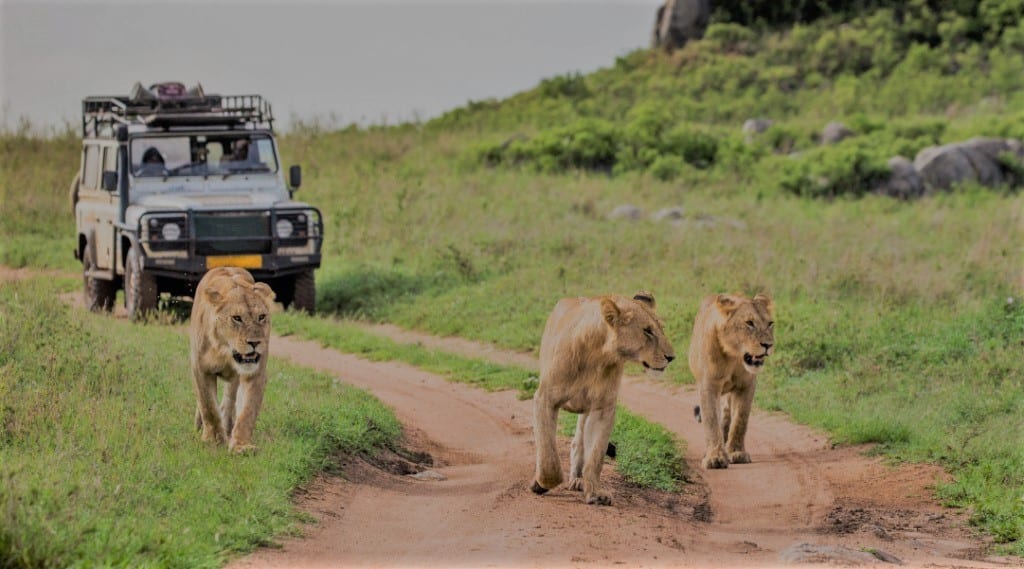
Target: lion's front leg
[(714, 455), (250, 399), (549, 470), (599, 425), (576, 455), (209, 419), (227, 406), (742, 401)]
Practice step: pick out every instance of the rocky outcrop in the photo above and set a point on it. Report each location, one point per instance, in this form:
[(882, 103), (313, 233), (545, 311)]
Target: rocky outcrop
[(904, 182), (978, 160), (679, 21), (754, 127)]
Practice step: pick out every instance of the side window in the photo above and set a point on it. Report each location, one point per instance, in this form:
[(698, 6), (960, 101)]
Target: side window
[(109, 161), (91, 170)]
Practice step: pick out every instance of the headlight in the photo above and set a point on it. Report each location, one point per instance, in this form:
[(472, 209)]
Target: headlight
[(163, 233), (171, 231), (285, 228)]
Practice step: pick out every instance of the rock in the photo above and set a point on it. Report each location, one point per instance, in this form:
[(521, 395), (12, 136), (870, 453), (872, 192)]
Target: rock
[(976, 160), (430, 475), (670, 213), (904, 182), (753, 127), (679, 21), (626, 211), (834, 132)]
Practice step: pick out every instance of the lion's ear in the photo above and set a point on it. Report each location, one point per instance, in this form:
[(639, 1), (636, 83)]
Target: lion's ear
[(646, 297), (264, 290), (766, 302), (609, 311), (213, 296), (727, 303)]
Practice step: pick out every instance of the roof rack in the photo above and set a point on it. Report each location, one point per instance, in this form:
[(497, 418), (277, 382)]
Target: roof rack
[(170, 104)]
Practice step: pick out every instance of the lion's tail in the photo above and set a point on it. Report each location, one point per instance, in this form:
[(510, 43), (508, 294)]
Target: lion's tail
[(696, 413)]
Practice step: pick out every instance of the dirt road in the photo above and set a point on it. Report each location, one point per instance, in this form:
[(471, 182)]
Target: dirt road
[(801, 502)]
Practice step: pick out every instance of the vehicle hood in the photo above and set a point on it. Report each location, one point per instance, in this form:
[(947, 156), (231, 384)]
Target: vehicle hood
[(207, 200)]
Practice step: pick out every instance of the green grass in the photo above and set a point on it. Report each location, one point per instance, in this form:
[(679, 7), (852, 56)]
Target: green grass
[(100, 464), (647, 454), (892, 320)]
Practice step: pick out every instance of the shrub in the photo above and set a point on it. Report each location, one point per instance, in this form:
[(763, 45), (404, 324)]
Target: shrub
[(851, 168)]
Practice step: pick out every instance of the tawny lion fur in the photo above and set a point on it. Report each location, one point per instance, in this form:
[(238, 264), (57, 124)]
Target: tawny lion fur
[(229, 334), (585, 346), (732, 336)]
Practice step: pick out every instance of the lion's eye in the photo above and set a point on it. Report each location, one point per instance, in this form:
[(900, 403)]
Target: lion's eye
[(771, 324), (750, 324), (649, 332), (236, 319), (262, 317)]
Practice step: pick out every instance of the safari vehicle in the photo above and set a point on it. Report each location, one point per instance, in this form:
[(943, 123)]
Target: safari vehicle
[(174, 182)]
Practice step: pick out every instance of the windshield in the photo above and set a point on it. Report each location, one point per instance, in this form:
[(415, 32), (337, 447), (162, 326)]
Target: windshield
[(202, 155)]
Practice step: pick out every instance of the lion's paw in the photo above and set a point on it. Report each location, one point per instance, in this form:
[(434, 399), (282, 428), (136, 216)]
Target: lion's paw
[(599, 499), (537, 488), (576, 484), (739, 457), (243, 448), (716, 461)]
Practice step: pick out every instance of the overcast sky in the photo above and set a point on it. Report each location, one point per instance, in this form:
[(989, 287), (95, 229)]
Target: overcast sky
[(365, 62)]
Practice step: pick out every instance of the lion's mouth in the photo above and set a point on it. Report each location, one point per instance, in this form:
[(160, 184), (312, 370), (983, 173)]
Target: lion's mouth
[(647, 366), (251, 358), (754, 361)]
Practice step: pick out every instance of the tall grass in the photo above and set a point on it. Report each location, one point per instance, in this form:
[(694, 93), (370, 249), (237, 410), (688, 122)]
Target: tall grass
[(100, 464)]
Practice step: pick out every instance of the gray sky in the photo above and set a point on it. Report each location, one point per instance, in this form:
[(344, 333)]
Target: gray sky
[(360, 61)]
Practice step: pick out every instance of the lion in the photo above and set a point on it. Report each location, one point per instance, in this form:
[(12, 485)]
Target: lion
[(229, 336), (732, 336), (583, 350)]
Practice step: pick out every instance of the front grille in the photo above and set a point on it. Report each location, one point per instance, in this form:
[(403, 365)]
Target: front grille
[(220, 234)]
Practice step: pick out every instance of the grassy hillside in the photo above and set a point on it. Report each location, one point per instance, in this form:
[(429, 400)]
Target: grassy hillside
[(898, 322)]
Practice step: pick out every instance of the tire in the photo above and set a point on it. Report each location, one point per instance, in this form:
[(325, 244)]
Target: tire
[(304, 292), (99, 294), (140, 292)]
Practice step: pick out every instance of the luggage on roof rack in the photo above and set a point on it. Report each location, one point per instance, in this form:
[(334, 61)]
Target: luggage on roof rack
[(171, 104)]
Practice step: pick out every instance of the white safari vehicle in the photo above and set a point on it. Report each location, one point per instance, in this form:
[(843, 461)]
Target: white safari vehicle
[(174, 182)]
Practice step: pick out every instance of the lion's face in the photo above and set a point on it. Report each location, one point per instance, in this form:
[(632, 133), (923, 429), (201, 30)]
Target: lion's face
[(749, 330), (639, 333), (241, 324)]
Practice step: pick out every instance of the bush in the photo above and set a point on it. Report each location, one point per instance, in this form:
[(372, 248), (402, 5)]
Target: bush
[(847, 169)]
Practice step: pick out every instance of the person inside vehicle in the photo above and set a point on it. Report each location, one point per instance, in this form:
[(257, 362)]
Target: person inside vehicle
[(152, 163), (240, 151)]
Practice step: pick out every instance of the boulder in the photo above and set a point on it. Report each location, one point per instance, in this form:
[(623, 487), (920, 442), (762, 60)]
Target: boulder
[(976, 160), (834, 132), (904, 182), (679, 21), (754, 127), (669, 213)]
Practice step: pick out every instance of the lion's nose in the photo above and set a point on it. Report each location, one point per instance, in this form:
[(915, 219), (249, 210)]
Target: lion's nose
[(767, 345), (253, 343), (669, 358)]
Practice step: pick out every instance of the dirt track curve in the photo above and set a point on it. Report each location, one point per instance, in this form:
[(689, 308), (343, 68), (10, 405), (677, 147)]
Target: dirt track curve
[(800, 503)]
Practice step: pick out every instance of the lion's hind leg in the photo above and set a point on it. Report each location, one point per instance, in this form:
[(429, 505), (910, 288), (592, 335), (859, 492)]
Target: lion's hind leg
[(576, 455)]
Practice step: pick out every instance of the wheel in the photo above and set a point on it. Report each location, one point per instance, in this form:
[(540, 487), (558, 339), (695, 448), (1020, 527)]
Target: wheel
[(304, 292), (140, 292), (99, 293)]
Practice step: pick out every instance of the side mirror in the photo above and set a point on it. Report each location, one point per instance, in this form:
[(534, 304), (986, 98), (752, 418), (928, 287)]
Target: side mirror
[(110, 181), (295, 176)]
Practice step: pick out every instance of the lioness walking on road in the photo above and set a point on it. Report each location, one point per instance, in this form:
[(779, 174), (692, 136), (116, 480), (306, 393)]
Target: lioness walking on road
[(230, 336), (732, 336), (585, 346)]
